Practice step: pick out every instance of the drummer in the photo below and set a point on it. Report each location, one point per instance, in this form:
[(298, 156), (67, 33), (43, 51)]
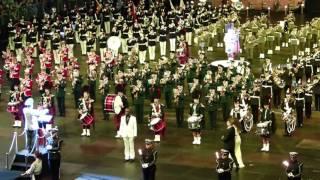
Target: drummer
[(196, 116), (86, 113), (157, 121), (266, 124)]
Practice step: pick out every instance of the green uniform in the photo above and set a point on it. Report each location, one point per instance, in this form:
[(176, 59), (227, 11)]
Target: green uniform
[(60, 94), (179, 106), (261, 40), (77, 91), (138, 104), (168, 90), (249, 46), (212, 107)]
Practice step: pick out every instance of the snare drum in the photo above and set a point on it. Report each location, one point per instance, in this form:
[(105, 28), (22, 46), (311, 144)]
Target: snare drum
[(262, 129), (194, 122), (113, 104), (157, 124), (12, 107), (86, 119)]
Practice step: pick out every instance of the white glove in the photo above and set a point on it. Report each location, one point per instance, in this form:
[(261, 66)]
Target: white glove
[(290, 174), (220, 170), (145, 165)]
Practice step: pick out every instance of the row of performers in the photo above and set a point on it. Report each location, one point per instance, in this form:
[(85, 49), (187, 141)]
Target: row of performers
[(89, 42), (106, 20)]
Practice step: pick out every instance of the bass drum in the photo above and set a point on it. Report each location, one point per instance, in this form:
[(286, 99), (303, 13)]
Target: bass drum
[(157, 124), (113, 104)]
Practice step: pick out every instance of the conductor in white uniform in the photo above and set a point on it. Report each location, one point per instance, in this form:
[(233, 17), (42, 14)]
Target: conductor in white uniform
[(128, 131)]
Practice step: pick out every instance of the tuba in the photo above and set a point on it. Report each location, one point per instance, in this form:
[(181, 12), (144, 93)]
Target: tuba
[(237, 5)]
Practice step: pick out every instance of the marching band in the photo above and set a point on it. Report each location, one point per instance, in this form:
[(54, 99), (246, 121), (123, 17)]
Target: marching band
[(178, 78)]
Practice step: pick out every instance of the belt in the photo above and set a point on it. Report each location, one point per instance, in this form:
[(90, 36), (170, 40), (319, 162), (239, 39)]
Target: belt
[(299, 99), (255, 97)]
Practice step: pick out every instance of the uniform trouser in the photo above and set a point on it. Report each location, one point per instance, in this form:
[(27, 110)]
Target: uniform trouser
[(189, 38), (149, 173), (139, 112), (54, 164), (212, 118), (249, 52), (48, 43), (270, 45), (24, 40), (299, 111), (168, 99), (224, 176), (278, 41), (179, 116), (142, 56), (83, 45), (76, 33), (11, 43), (255, 113), (233, 155), (35, 50), (220, 36), (128, 148), (107, 27), (308, 109), (98, 29), (172, 44), (103, 53), (92, 89), (225, 111), (261, 48), (56, 56), (70, 50), (308, 43), (124, 46), (31, 137), (77, 96), (294, 50), (19, 53), (276, 97), (163, 48), (152, 52), (302, 46), (61, 105)]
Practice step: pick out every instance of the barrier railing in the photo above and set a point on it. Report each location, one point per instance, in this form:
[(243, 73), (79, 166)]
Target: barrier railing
[(11, 154)]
